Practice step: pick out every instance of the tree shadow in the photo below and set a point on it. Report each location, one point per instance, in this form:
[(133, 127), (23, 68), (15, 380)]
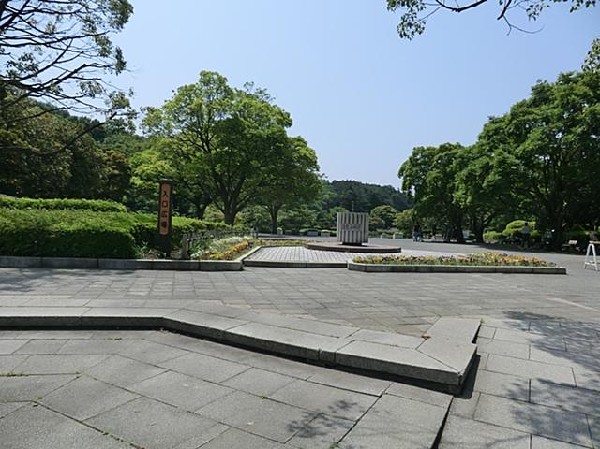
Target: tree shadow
[(24, 280), (326, 428), (559, 410)]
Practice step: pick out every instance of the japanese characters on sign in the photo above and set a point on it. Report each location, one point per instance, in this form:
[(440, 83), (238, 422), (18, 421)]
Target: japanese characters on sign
[(164, 208)]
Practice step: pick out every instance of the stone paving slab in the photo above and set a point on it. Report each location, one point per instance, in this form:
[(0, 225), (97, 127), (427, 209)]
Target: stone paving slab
[(522, 315), (301, 257), (124, 403), (526, 391), (443, 357)]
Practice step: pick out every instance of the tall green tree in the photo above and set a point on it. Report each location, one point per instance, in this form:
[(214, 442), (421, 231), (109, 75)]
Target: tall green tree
[(232, 137), (554, 141), (484, 181), (429, 176), (294, 180), (41, 160)]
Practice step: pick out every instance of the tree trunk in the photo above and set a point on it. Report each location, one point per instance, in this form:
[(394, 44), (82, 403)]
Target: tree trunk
[(273, 212), (200, 209), (229, 216)]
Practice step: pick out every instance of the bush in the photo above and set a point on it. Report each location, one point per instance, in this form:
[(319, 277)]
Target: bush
[(64, 234), (513, 229), (86, 233), (10, 202), (493, 236)]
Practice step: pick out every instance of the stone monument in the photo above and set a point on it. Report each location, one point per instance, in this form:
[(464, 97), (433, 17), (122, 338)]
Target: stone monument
[(352, 228)]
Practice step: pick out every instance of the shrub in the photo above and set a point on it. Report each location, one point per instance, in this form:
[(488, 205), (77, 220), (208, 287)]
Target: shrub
[(10, 202), (86, 233), (64, 234), (513, 229), (493, 236)]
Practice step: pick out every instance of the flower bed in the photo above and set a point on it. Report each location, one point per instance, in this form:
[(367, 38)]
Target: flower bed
[(470, 260), (234, 247), (463, 263), (224, 249)]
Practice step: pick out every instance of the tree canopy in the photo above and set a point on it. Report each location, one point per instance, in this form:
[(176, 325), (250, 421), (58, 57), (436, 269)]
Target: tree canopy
[(42, 160), (540, 161), (234, 141), (60, 52), (415, 13)]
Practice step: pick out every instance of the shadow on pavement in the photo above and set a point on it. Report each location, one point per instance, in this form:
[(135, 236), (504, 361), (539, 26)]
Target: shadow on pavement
[(23, 280)]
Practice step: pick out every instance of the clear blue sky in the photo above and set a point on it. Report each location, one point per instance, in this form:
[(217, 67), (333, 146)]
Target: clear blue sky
[(360, 95)]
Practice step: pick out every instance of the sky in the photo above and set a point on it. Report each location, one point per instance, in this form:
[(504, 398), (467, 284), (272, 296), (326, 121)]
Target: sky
[(361, 96)]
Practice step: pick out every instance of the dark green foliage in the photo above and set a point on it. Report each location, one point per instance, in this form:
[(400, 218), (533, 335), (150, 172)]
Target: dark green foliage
[(85, 233), (362, 197), (60, 203), (65, 233), (48, 154), (384, 216), (540, 160)]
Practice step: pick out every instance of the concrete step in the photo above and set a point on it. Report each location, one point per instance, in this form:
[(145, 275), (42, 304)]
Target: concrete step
[(439, 360)]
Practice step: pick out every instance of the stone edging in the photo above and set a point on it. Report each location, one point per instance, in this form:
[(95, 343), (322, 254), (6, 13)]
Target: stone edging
[(440, 360), (291, 264), (383, 268), (119, 264)]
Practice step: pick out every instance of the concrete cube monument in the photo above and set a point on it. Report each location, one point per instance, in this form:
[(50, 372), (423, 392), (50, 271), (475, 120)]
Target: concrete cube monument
[(352, 228)]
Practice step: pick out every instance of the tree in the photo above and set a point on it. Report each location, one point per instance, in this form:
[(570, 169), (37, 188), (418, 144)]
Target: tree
[(554, 141), (232, 138), (429, 177), (385, 215), (592, 60), (415, 13), (40, 160), (147, 168), (60, 51), (294, 180), (404, 222), (484, 180)]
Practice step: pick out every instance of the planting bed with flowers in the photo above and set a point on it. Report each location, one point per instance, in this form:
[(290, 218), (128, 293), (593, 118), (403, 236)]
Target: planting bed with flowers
[(489, 259), (233, 247)]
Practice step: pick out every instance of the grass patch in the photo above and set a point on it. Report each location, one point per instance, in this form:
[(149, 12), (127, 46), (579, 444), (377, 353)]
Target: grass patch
[(489, 259)]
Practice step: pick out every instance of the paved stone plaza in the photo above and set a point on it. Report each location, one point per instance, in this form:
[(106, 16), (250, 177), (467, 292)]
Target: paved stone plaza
[(536, 383)]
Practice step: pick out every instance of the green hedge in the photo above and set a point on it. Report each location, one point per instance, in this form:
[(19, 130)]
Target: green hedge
[(86, 233), (65, 233), (10, 202)]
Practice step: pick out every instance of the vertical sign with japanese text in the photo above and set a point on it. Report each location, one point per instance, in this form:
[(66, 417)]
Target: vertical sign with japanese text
[(165, 194)]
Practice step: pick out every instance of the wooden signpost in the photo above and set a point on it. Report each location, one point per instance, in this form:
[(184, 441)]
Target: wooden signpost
[(165, 208)]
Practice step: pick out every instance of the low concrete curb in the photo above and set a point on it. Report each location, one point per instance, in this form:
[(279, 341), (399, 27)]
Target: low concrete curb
[(365, 248), (292, 264), (287, 263), (382, 268), (119, 264), (440, 360)]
